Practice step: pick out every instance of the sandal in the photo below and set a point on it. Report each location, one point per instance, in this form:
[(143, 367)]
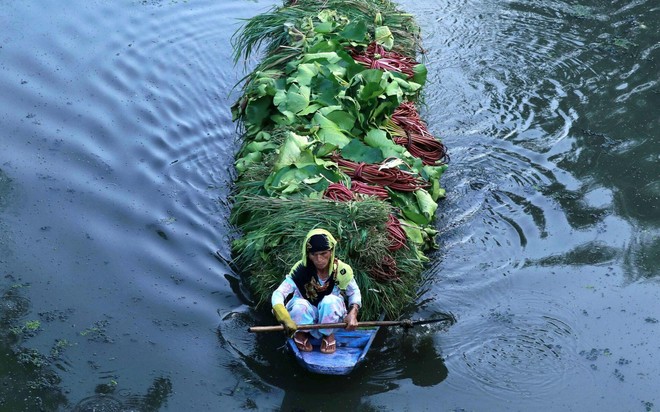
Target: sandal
[(328, 347), (301, 339)]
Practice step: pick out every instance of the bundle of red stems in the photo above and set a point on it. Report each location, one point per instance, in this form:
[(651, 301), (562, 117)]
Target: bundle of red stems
[(376, 57), (419, 142), (369, 190), (392, 177), (340, 193), (386, 271), (395, 233)]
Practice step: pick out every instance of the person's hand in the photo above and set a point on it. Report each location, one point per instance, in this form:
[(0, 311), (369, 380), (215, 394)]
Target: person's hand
[(282, 315), (351, 318)]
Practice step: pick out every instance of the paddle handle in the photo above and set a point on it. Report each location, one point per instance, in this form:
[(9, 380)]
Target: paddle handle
[(277, 328)]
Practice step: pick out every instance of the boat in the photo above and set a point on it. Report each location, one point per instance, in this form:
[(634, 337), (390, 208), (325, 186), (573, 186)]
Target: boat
[(352, 348), (332, 138)]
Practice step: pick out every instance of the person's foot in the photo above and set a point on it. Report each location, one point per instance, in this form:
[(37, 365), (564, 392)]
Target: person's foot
[(328, 344), (301, 339)]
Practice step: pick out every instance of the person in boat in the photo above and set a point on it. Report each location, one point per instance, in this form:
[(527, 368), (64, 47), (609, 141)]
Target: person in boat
[(315, 291)]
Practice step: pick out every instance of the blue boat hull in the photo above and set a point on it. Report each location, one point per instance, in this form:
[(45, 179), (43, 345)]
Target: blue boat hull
[(352, 347)]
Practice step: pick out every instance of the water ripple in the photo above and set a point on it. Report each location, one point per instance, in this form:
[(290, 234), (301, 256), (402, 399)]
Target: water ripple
[(521, 349)]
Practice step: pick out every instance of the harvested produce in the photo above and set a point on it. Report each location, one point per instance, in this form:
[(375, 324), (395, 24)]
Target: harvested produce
[(331, 137)]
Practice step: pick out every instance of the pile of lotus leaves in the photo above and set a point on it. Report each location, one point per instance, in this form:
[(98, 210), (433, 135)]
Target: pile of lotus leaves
[(307, 104)]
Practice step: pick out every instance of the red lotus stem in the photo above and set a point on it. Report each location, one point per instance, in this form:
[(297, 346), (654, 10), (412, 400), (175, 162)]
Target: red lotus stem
[(376, 57), (419, 142), (395, 233), (386, 271), (368, 190), (338, 192), (393, 178)]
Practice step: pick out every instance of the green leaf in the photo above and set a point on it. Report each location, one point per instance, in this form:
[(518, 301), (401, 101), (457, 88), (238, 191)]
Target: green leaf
[(342, 119), (324, 27), (306, 72), (357, 151), (433, 174), (256, 146), (426, 204), (408, 205), (291, 150), (293, 100), (377, 138), (286, 118), (325, 149), (329, 131), (326, 15), (292, 179), (384, 37), (355, 31), (297, 98), (333, 136), (394, 89), (372, 86), (324, 46), (330, 57), (413, 232), (408, 86), (257, 111), (312, 108), (420, 74), (243, 163)]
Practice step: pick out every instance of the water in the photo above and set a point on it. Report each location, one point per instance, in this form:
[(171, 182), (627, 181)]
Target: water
[(116, 148)]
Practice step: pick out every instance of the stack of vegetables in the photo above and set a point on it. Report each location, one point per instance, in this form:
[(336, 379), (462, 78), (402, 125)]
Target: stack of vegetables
[(332, 138)]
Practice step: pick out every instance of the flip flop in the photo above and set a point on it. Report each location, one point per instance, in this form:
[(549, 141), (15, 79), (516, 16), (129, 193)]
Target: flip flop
[(302, 342), (328, 347)]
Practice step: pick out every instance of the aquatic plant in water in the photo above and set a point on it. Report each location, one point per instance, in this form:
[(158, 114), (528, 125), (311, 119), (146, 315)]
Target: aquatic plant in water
[(332, 138)]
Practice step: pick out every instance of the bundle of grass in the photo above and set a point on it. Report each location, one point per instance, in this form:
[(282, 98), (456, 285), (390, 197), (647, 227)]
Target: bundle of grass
[(316, 118), (274, 228)]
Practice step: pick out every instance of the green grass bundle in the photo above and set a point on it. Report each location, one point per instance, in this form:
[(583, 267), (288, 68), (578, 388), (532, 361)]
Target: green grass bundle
[(273, 229)]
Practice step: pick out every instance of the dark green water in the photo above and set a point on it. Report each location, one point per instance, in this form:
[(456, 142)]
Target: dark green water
[(116, 148)]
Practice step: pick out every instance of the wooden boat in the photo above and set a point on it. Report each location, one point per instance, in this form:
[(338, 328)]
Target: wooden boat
[(332, 139), (352, 347)]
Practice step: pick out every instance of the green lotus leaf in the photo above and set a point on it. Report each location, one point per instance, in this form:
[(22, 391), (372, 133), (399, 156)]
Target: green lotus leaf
[(384, 37), (355, 31), (257, 111), (329, 131), (408, 205), (413, 232), (426, 204), (306, 72), (325, 27), (420, 74), (312, 108), (291, 151), (286, 118), (357, 151), (377, 138), (330, 57)]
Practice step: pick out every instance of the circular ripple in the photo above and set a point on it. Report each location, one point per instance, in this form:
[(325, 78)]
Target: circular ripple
[(518, 349), (99, 403)]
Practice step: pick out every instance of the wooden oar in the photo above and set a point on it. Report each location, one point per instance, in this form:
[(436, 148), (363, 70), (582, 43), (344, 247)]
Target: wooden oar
[(406, 323)]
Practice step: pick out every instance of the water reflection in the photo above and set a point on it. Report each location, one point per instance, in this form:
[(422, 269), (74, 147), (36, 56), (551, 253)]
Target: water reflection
[(115, 163), (397, 354), (30, 378), (569, 86)]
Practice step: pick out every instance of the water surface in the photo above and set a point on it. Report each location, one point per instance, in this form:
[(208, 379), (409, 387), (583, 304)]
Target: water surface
[(116, 147)]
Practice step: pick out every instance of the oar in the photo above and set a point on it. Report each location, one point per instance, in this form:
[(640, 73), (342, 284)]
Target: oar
[(406, 323)]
